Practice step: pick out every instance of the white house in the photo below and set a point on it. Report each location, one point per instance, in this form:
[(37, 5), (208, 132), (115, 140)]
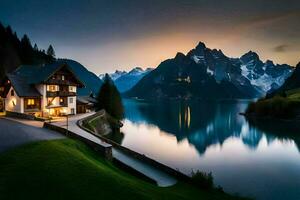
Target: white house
[(41, 90)]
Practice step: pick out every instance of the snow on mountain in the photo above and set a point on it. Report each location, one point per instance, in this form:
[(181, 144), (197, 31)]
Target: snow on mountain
[(130, 79), (126, 80), (246, 70), (267, 76), (117, 74)]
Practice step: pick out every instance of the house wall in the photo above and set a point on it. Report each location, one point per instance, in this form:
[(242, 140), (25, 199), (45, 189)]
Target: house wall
[(42, 90), (11, 100), (72, 105)]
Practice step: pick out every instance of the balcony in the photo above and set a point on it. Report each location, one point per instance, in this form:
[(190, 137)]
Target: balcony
[(60, 94)]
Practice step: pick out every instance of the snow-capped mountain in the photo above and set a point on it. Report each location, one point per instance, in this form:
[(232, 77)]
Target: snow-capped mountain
[(117, 74), (208, 73), (267, 76), (248, 69), (126, 80)]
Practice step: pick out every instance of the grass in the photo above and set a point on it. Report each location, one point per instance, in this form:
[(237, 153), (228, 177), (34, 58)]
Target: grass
[(282, 107), (68, 169)]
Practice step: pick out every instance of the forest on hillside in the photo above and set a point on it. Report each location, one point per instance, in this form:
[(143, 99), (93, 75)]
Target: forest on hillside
[(15, 51)]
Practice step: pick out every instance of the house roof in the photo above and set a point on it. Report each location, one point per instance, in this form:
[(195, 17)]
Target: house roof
[(42, 72), (24, 77), (22, 88), (86, 99)]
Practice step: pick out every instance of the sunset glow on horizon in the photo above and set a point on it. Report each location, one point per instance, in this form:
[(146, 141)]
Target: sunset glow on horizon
[(105, 36)]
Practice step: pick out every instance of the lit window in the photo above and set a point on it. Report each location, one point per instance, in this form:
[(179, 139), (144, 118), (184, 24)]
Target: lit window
[(62, 77), (72, 89), (52, 88), (61, 100), (12, 93), (30, 102)]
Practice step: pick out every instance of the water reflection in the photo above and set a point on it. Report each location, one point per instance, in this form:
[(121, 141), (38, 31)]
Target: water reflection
[(213, 137), (203, 124)]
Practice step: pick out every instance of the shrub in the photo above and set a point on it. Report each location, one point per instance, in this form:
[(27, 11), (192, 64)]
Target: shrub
[(202, 179)]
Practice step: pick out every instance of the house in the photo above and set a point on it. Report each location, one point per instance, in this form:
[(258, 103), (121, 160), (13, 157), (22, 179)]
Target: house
[(85, 103), (44, 90)]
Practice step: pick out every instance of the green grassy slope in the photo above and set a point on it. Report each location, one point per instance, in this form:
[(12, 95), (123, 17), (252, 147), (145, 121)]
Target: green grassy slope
[(283, 107), (68, 169)]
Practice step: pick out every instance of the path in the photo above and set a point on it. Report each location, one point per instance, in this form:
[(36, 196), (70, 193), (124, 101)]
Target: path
[(160, 177), (17, 132)]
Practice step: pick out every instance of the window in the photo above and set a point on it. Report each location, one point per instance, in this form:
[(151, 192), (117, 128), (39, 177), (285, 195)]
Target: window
[(30, 102), (71, 100), (1, 89), (62, 77), (12, 93), (72, 89), (52, 88)]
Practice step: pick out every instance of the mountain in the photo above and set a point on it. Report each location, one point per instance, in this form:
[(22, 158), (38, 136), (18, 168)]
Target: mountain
[(130, 79), (209, 74), (124, 81), (117, 74), (267, 76), (91, 81), (291, 83)]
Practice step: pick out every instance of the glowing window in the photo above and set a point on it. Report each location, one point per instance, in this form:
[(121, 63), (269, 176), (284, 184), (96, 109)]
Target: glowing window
[(30, 102)]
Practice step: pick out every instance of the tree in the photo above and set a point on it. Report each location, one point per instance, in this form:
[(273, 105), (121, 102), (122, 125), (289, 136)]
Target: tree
[(50, 51), (25, 43), (35, 47), (109, 99)]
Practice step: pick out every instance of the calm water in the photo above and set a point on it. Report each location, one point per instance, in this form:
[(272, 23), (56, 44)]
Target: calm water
[(213, 137)]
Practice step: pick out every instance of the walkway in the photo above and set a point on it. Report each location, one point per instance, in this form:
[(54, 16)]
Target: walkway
[(160, 177), (17, 132)]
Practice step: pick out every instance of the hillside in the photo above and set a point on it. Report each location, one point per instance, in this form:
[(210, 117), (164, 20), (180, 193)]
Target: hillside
[(68, 169), (15, 52)]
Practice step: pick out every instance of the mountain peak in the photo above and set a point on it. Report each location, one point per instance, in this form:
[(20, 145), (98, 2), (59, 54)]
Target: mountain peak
[(200, 45), (179, 55), (250, 56)]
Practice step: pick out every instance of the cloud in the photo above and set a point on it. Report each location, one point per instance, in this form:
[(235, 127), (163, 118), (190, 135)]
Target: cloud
[(281, 48)]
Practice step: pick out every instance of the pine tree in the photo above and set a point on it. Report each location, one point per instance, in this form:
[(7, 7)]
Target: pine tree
[(50, 51), (109, 99), (35, 47)]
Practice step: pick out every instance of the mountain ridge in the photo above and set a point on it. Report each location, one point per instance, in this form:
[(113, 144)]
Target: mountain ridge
[(202, 71)]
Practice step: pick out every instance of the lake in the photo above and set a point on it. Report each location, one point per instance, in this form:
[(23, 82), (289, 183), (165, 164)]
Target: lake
[(213, 137)]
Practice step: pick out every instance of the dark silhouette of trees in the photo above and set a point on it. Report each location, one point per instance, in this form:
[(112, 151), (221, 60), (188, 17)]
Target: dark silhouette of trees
[(50, 51), (109, 99), (35, 48), (15, 52)]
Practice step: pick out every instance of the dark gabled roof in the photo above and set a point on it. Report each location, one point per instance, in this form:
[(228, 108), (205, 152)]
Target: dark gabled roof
[(25, 77), (86, 99), (39, 73), (21, 86)]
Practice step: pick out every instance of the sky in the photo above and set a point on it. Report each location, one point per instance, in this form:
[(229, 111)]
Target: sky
[(122, 34)]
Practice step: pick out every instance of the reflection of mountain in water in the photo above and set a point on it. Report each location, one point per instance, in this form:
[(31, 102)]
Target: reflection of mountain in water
[(202, 123)]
